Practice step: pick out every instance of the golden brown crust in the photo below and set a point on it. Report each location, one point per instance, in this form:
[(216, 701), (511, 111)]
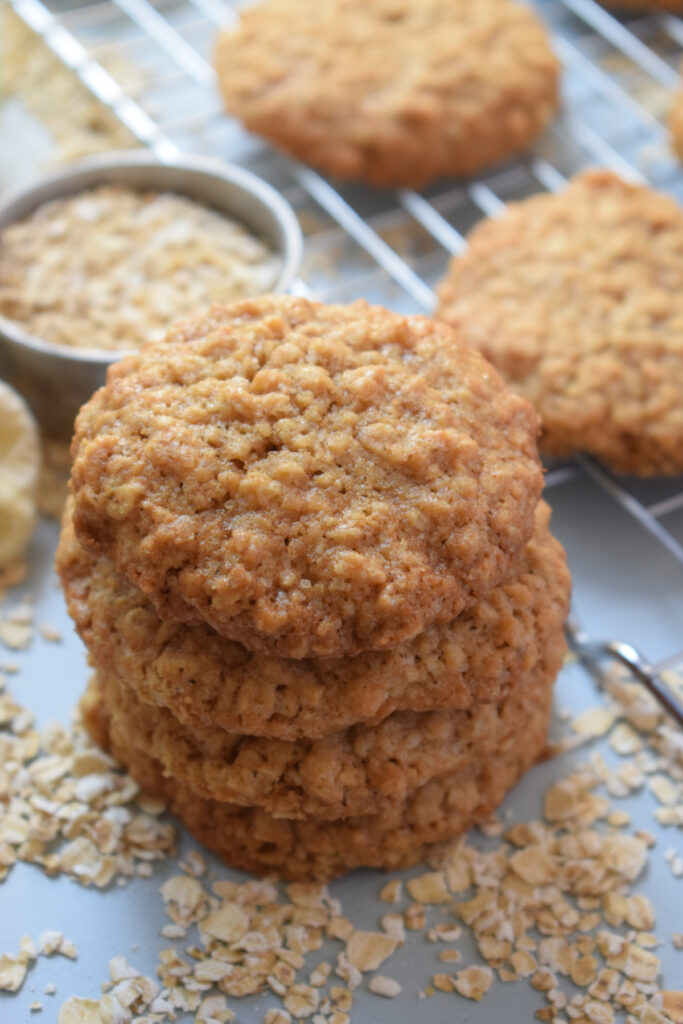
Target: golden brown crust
[(393, 92), (359, 771), (207, 681), (577, 298), (253, 840), (310, 480)]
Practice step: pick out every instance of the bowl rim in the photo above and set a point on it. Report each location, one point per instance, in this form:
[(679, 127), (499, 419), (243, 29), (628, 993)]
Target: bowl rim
[(291, 251)]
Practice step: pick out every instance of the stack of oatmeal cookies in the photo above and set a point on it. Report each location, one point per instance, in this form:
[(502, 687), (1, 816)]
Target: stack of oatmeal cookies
[(306, 553)]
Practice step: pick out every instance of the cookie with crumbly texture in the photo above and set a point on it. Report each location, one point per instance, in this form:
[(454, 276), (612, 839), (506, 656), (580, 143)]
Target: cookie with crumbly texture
[(401, 835), (361, 770), (577, 298), (209, 682), (309, 480), (393, 92)]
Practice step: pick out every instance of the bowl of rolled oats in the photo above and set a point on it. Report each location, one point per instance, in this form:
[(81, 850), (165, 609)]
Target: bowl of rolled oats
[(106, 254)]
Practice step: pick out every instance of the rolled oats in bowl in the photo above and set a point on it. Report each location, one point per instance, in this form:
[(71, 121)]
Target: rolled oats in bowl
[(106, 253), (111, 267)]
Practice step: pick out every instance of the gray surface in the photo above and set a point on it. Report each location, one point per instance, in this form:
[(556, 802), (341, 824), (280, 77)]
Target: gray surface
[(626, 585), (623, 586)]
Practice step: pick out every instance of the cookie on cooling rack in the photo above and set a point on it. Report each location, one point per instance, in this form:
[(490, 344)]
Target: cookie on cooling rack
[(402, 834), (307, 479), (393, 92), (207, 681), (577, 298)]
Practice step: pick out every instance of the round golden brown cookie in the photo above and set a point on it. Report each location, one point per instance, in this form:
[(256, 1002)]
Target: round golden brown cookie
[(393, 92), (361, 770), (577, 298), (310, 480), (253, 840), (210, 682)]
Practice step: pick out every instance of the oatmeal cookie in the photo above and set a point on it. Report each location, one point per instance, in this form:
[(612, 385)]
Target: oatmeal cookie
[(359, 771), (402, 835), (309, 480), (577, 299), (209, 682), (394, 92)]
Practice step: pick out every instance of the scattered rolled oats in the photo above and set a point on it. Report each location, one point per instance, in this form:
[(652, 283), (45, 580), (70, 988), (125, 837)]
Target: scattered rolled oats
[(523, 964), (625, 740), (415, 917), (277, 1017), (302, 1000), (228, 924), (544, 980), (473, 982), (16, 635), (185, 899), (367, 950), (50, 634), (339, 927), (429, 888), (594, 721), (664, 789), (443, 982), (12, 972), (450, 956), (50, 942), (392, 891), (444, 933), (672, 1005), (394, 925), (80, 1011), (383, 986), (534, 864)]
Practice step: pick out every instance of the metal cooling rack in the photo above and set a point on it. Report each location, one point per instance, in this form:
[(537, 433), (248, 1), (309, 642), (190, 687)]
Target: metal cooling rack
[(391, 247)]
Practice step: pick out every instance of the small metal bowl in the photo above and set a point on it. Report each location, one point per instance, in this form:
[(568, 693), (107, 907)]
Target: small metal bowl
[(57, 380)]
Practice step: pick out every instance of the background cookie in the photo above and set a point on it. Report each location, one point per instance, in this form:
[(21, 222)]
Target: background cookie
[(208, 681), (393, 92), (308, 479), (253, 840), (577, 298), (361, 770)]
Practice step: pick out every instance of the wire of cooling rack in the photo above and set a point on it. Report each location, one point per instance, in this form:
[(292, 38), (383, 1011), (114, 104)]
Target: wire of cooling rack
[(617, 77)]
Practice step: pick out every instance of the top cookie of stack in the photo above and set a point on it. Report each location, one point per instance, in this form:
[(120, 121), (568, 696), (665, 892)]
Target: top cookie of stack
[(308, 480)]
